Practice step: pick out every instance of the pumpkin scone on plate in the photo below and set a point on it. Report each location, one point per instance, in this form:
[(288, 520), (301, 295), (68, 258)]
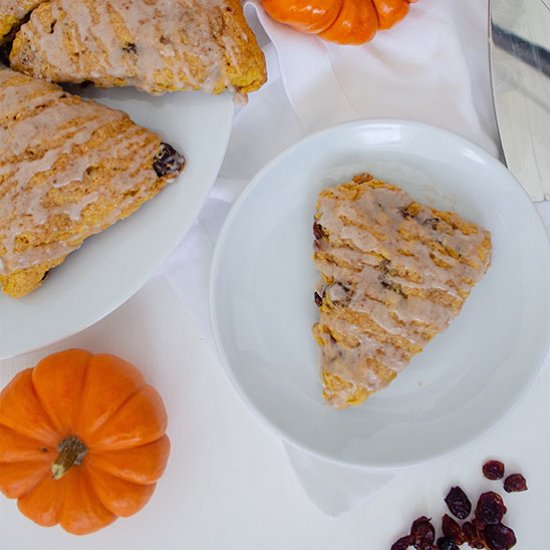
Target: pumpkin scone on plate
[(69, 168), (154, 45), (394, 274)]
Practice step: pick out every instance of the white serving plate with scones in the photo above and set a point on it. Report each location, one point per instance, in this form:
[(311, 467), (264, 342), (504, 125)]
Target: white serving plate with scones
[(110, 267), (466, 379)]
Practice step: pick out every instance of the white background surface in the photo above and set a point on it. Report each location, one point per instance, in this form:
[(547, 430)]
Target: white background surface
[(229, 484)]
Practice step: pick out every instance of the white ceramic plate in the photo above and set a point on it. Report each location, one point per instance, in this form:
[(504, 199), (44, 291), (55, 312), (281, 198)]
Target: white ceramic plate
[(466, 379), (112, 266)]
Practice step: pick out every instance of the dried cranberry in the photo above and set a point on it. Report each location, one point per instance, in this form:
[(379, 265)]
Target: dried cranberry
[(515, 483), (493, 469), (490, 508), (423, 531), (499, 537), (445, 543), (459, 504), (318, 231), (451, 529), (130, 48), (471, 536), (403, 543), (480, 526), (318, 299), (469, 531), (167, 161)]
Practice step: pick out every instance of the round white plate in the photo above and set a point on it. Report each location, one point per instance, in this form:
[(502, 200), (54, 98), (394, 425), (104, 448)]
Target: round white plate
[(112, 266), (466, 379)]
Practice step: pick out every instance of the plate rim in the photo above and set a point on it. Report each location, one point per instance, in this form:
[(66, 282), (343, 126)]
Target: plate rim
[(175, 238), (262, 418)]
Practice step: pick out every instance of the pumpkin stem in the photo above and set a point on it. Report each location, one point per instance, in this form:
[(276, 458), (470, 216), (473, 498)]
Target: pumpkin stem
[(71, 452)]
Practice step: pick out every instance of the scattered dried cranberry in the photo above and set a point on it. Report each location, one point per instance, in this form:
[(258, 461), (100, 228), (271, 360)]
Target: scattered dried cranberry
[(499, 537), (484, 532), (318, 231), (318, 299), (445, 543), (493, 469), (451, 529), (515, 483), (459, 504), (471, 536), (490, 508), (423, 531), (479, 525), (469, 531), (403, 543), (130, 48)]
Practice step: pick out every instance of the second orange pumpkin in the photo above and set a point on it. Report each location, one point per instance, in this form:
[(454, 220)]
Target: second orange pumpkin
[(339, 21), (356, 23)]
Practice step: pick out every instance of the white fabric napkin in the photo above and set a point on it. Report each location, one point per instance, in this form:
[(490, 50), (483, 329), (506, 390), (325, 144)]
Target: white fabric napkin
[(433, 67)]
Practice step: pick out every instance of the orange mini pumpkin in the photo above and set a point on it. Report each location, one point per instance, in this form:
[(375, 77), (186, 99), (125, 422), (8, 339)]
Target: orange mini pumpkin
[(340, 21), (356, 23), (304, 15), (82, 440)]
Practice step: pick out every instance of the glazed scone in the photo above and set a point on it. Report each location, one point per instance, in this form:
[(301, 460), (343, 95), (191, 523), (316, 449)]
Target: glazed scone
[(12, 13), (394, 273), (69, 168), (155, 45)]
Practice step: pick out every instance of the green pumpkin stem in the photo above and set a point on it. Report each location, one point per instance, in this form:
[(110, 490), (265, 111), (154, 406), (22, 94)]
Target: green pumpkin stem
[(71, 453)]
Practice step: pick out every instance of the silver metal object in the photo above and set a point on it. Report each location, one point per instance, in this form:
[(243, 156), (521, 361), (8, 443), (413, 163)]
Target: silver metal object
[(520, 67)]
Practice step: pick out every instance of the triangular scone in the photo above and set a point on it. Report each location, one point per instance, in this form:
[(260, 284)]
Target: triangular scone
[(155, 45), (69, 168), (394, 274)]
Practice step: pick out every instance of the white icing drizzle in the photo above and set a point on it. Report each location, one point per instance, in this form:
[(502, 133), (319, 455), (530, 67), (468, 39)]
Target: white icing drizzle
[(29, 171), (133, 42), (392, 283)]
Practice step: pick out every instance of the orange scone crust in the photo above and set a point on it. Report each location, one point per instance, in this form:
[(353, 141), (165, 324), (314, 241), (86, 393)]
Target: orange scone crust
[(394, 273)]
